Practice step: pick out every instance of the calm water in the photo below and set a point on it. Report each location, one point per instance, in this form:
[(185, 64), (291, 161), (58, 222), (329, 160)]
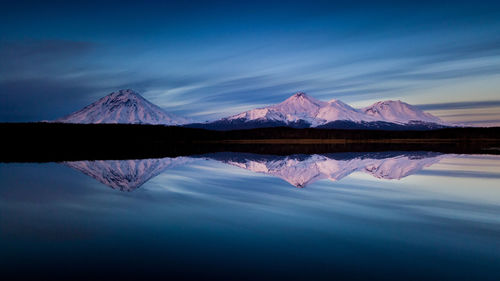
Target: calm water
[(394, 215)]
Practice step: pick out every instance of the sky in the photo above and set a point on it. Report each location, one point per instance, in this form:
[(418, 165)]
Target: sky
[(210, 59)]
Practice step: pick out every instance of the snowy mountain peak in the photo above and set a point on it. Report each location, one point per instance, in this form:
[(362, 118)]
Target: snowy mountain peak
[(300, 96), (124, 96), (123, 106), (301, 104), (399, 112), (340, 103), (301, 108), (125, 93)]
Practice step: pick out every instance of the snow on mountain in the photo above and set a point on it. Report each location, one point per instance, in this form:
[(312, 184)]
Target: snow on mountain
[(297, 107), (399, 112), (337, 110), (301, 170), (125, 175), (124, 106), (299, 111), (301, 107)]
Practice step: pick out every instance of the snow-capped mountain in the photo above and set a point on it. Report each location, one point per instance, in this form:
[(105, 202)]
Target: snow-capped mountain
[(303, 111), (399, 112), (124, 106), (297, 107), (298, 111), (301, 170), (300, 106), (125, 175)]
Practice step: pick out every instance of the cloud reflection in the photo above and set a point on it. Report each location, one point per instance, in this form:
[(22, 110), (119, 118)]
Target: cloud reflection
[(298, 170)]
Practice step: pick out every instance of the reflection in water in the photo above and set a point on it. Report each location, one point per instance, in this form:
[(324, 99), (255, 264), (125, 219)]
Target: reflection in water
[(439, 223), (125, 175), (298, 170), (301, 170)]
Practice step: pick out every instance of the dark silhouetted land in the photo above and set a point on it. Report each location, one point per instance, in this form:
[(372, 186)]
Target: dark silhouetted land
[(43, 142)]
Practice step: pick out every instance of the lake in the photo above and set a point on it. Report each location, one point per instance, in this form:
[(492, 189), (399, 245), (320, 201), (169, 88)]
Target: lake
[(243, 216)]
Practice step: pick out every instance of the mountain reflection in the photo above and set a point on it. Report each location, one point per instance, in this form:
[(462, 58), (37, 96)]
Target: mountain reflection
[(301, 170), (125, 175), (298, 170)]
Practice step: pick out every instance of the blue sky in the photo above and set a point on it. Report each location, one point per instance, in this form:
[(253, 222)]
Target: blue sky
[(206, 60)]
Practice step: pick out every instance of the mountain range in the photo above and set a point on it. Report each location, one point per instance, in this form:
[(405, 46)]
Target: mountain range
[(303, 111), (298, 111)]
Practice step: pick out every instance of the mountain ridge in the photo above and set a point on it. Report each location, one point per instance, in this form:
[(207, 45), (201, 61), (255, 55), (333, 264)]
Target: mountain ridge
[(303, 111), (298, 111)]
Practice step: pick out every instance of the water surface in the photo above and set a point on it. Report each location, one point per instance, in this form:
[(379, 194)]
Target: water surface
[(391, 215)]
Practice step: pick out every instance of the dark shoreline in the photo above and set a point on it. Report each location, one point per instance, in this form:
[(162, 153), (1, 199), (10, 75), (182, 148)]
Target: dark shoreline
[(54, 142)]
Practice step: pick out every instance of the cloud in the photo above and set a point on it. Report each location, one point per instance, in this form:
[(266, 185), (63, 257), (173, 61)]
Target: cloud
[(36, 58), (483, 123), (460, 174), (459, 105), (44, 49), (46, 79), (450, 74), (36, 99), (475, 113), (214, 100), (356, 55)]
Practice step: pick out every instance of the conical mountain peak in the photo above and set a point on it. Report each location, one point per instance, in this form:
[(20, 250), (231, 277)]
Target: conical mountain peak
[(123, 106), (302, 97), (125, 93), (299, 106)]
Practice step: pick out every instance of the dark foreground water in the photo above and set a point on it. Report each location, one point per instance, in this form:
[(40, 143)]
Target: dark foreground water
[(366, 216)]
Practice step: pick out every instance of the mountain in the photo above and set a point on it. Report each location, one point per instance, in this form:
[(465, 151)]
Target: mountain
[(399, 112), (297, 107), (301, 107), (303, 111), (125, 175), (124, 106), (298, 111)]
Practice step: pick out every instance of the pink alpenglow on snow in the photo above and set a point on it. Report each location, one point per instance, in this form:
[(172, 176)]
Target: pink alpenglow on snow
[(126, 107), (399, 112), (300, 106)]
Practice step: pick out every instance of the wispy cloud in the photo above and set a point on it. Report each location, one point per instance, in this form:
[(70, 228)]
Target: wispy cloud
[(459, 105), (194, 63)]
